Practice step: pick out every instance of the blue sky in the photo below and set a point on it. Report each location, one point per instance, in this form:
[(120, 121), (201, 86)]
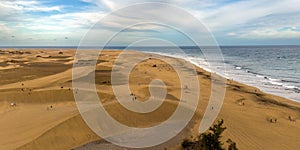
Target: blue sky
[(231, 22)]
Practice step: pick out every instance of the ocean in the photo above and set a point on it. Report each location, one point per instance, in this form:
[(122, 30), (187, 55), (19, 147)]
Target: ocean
[(273, 69)]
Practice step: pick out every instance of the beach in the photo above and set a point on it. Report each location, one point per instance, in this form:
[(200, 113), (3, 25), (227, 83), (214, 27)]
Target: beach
[(38, 109)]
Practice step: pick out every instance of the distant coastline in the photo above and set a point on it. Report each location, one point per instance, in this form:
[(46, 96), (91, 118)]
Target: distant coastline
[(124, 47)]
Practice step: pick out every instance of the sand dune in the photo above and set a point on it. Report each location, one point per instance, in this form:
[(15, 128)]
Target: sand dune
[(46, 116)]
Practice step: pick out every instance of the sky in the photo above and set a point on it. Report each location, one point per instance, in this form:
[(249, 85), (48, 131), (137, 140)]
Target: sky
[(66, 22)]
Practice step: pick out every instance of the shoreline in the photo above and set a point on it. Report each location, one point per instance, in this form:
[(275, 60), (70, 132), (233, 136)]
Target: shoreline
[(164, 54), (224, 76)]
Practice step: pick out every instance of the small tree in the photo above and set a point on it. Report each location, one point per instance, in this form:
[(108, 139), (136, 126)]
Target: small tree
[(209, 140)]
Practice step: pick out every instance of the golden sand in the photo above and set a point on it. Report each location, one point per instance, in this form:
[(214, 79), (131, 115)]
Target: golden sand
[(44, 115)]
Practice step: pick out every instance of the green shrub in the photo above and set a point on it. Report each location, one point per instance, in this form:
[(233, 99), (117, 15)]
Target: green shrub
[(209, 140)]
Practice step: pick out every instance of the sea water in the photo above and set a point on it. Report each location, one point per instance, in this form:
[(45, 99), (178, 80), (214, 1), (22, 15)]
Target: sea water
[(273, 69)]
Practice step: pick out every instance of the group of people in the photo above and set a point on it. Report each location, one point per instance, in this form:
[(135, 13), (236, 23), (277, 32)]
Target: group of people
[(133, 96), (24, 89), (274, 120)]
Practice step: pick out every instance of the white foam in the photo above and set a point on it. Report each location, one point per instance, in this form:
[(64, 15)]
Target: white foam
[(238, 68), (276, 83), (278, 80), (273, 86), (259, 76), (290, 87)]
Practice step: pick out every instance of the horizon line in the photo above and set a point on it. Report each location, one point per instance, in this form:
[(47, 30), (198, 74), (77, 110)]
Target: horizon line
[(122, 46)]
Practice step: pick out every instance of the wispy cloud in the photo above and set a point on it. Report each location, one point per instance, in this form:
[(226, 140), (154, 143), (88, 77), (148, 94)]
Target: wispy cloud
[(27, 6), (252, 20)]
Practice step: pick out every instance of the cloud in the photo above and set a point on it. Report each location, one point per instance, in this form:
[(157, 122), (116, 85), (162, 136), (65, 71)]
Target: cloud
[(224, 15), (24, 19), (77, 20), (27, 6), (231, 34), (260, 20), (17, 13), (247, 19), (113, 5), (271, 34)]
